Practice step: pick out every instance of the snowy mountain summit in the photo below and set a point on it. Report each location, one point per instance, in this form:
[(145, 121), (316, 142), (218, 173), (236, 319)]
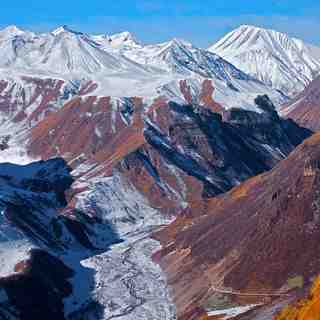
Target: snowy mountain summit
[(63, 29), (288, 64), (119, 41)]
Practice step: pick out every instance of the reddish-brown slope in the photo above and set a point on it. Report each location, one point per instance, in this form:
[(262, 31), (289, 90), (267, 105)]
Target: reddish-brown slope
[(206, 97), (86, 127), (305, 109), (247, 240)]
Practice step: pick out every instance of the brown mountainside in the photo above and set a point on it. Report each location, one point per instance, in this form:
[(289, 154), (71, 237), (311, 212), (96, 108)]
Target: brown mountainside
[(253, 240)]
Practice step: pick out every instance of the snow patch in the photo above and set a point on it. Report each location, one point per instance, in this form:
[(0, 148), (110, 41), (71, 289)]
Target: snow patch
[(231, 312)]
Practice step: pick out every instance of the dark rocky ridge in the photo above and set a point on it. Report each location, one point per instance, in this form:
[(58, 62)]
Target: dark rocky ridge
[(231, 148), (36, 292)]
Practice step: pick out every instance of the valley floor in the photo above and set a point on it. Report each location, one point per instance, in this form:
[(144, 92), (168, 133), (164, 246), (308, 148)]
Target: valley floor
[(123, 282)]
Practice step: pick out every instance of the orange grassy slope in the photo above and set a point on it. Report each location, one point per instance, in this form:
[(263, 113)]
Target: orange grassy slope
[(307, 309)]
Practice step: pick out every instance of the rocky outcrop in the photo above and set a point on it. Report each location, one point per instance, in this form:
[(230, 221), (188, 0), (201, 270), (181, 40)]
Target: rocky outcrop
[(25, 101), (201, 144)]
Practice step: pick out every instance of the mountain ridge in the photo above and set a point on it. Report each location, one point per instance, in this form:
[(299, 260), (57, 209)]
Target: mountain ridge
[(128, 69)]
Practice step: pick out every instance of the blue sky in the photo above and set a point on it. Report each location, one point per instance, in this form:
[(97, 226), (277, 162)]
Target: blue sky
[(199, 21)]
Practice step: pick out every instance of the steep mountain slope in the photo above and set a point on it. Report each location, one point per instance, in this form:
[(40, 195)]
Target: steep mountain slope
[(37, 290), (24, 101), (192, 138), (287, 64), (271, 217), (305, 108)]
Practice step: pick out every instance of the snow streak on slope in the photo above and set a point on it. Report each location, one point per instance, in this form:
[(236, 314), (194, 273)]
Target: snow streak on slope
[(231, 313), (287, 64)]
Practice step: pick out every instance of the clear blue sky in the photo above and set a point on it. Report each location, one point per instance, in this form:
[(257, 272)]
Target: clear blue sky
[(199, 21)]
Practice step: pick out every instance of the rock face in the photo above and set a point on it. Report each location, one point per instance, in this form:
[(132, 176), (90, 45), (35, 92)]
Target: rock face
[(244, 243), (29, 99), (304, 109)]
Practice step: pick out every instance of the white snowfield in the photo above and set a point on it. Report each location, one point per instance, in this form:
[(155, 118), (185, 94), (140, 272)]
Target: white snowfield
[(285, 63)]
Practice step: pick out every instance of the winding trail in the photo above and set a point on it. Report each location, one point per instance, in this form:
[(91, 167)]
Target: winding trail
[(249, 294)]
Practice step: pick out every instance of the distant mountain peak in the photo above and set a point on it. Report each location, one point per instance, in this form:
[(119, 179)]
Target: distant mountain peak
[(123, 39), (64, 29), (180, 42), (253, 27), (125, 35), (11, 30)]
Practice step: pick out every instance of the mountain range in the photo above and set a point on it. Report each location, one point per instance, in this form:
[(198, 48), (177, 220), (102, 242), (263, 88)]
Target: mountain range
[(159, 181)]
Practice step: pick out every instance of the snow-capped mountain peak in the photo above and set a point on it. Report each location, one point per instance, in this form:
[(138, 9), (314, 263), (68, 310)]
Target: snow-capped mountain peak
[(122, 67), (118, 42), (10, 31), (248, 37), (180, 42), (123, 38), (64, 29), (286, 63), (63, 52)]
